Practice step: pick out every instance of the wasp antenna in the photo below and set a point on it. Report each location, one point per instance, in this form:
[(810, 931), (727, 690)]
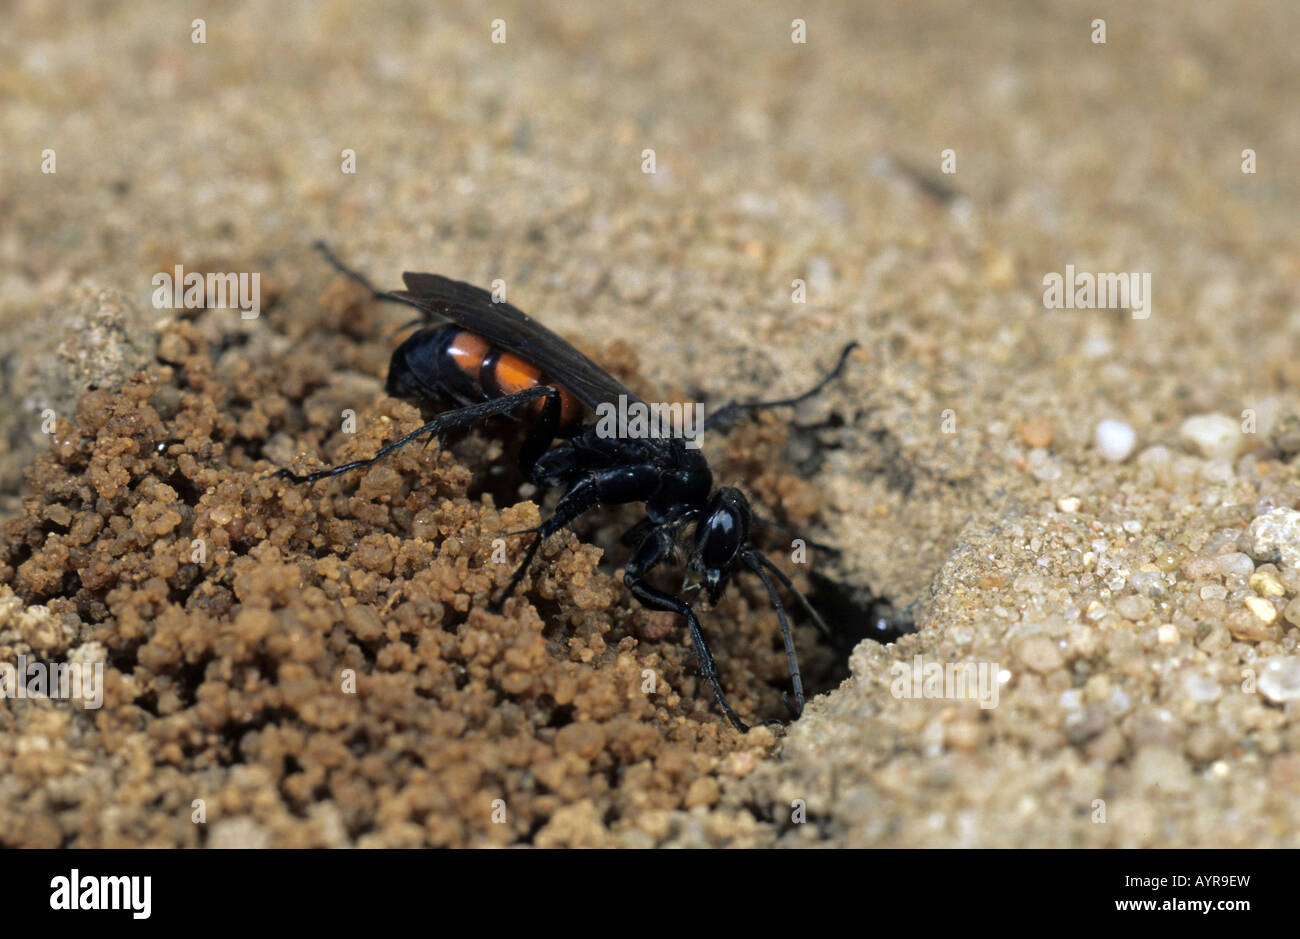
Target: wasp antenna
[(385, 295), (820, 546), (803, 601), (418, 321), (342, 268), (754, 560)]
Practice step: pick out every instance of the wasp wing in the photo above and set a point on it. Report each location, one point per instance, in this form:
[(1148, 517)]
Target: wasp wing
[(514, 330)]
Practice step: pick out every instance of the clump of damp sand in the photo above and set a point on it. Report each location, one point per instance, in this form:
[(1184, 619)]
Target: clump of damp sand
[(316, 663)]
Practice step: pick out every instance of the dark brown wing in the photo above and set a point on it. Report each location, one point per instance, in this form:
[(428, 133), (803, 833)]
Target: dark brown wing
[(515, 331)]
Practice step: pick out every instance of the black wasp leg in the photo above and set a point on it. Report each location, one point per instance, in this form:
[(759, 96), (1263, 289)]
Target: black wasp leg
[(654, 548), (613, 486), (803, 601), (540, 436), (729, 412), (755, 562), (636, 534), (461, 417), (517, 577)]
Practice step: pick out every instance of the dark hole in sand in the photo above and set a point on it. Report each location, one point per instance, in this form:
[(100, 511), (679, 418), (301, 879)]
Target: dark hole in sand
[(852, 613)]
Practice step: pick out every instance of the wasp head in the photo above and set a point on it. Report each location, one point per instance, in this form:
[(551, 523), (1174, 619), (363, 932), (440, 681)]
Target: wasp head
[(720, 534)]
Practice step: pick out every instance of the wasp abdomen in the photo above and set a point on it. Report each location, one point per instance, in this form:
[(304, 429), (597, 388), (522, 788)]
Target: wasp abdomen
[(449, 359)]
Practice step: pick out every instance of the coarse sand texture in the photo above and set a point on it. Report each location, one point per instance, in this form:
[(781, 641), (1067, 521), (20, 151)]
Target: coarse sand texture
[(1090, 511)]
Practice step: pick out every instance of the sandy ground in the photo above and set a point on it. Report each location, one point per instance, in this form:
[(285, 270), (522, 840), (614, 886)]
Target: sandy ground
[(1134, 603)]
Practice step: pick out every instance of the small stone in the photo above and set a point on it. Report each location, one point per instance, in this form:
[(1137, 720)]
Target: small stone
[(742, 763), (1280, 679), (1262, 608), (1043, 467), (1168, 557), (963, 734), (1162, 771), (1096, 345), (1274, 537), (1247, 627), (703, 792), (1292, 612), (1107, 747), (1038, 432), (1084, 724), (1133, 608), (1115, 439), (1158, 459), (241, 832), (583, 739), (1199, 566), (1167, 634), (1214, 436), (1000, 270), (1069, 504), (1235, 563), (1201, 687), (1204, 743), (821, 276), (1286, 436), (1040, 654), (172, 347), (1267, 585), (1148, 583), (1118, 702)]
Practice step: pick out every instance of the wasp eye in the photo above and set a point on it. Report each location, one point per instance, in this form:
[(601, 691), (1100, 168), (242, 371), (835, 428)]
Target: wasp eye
[(718, 539)]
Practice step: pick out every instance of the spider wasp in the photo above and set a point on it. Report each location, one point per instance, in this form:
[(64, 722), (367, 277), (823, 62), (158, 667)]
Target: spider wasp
[(490, 358)]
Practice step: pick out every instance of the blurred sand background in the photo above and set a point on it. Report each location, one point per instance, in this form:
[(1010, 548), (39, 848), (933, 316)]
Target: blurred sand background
[(1120, 598)]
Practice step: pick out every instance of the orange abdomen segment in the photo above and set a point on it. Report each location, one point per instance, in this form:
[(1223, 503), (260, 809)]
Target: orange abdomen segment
[(514, 374), (468, 352)]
